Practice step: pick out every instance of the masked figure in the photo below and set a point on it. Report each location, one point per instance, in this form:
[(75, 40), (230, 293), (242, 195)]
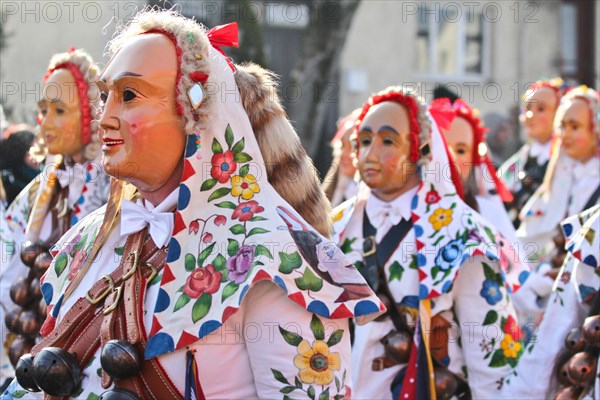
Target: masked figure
[(203, 277), (572, 182), (524, 172), (340, 181), (71, 186), (486, 193), (564, 357), (434, 261)]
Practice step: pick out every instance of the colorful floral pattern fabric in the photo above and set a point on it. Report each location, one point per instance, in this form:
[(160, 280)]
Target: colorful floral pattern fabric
[(576, 285), (225, 240)]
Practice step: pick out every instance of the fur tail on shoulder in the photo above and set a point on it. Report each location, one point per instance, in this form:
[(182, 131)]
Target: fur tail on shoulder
[(289, 169)]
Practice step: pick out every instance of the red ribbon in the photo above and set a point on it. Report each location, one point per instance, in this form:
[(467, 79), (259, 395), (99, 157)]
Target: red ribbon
[(442, 112), (224, 36)]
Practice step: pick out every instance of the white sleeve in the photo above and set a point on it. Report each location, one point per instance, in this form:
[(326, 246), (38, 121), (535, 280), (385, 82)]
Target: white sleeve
[(303, 356), (491, 340)]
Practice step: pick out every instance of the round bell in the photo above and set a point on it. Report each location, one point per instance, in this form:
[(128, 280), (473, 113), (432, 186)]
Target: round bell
[(446, 383), (30, 251), (120, 359), (397, 346), (119, 394), (569, 393), (559, 240), (562, 372), (591, 330), (57, 372), (41, 263), (20, 293), (557, 260), (19, 346), (582, 368), (24, 373), (35, 289), (575, 341), (41, 310), (11, 319), (29, 323)]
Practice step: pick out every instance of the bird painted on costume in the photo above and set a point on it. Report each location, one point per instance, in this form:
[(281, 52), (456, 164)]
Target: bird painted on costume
[(325, 258)]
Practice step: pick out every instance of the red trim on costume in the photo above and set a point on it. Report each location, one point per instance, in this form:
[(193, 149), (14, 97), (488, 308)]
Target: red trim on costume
[(84, 101), (559, 91)]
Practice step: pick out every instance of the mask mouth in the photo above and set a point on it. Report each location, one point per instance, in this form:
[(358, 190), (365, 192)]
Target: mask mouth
[(108, 143)]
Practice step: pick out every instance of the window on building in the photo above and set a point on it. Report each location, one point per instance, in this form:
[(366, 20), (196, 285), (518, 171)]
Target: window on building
[(450, 43)]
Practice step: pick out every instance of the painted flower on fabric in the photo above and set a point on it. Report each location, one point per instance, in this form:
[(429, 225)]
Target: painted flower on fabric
[(245, 211), (223, 166), (240, 264), (432, 197), (202, 280), (512, 328), (316, 363), (510, 347), (450, 255), (440, 218), (207, 238), (78, 259), (194, 227), (220, 220), (491, 291), (245, 187)]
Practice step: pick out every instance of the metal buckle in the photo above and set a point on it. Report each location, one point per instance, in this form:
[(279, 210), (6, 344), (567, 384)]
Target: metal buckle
[(135, 264), (101, 296), (114, 305), (152, 274), (369, 241)]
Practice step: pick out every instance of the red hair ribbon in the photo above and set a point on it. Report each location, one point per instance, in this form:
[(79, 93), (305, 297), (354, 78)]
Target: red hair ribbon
[(442, 112), (461, 109), (224, 36)]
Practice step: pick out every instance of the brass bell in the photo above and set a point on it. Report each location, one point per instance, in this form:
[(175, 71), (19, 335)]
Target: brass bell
[(57, 372), (120, 359), (569, 393), (11, 319), (20, 293), (118, 394), (575, 341), (35, 289), (558, 259), (42, 263), (24, 373), (562, 371), (29, 323), (397, 346), (41, 310), (559, 240), (19, 346), (582, 368), (591, 330), (30, 251), (446, 383)]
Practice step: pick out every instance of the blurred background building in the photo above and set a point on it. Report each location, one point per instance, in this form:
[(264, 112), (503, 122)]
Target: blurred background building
[(331, 55)]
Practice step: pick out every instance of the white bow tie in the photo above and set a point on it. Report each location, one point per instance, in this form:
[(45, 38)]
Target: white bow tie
[(385, 215), (135, 217), (71, 174)]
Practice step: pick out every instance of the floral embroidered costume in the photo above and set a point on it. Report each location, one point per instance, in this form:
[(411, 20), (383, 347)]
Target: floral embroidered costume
[(72, 186), (252, 301), (442, 276), (486, 193), (574, 294)]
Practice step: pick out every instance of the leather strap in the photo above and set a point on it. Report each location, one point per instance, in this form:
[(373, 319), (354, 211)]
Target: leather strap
[(86, 326), (376, 258)]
